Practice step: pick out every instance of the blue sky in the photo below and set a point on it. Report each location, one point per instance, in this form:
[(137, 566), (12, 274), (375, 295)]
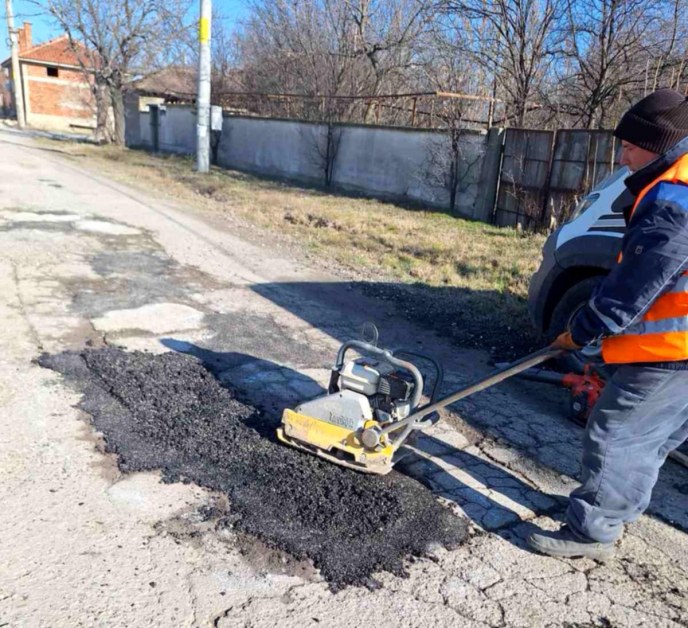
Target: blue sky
[(44, 29)]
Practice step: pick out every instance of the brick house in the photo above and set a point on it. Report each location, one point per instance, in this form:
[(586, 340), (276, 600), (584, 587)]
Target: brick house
[(57, 95)]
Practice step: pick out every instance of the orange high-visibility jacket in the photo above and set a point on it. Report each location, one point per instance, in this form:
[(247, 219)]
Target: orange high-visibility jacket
[(660, 334)]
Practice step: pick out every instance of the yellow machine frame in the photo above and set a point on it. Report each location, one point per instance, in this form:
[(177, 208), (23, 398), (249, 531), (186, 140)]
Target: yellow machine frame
[(334, 443), (346, 447)]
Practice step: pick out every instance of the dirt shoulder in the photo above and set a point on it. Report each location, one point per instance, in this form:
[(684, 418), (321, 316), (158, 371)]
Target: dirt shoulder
[(464, 279)]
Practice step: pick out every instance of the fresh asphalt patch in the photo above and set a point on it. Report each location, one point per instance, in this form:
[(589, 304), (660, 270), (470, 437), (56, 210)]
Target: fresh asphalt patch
[(169, 412)]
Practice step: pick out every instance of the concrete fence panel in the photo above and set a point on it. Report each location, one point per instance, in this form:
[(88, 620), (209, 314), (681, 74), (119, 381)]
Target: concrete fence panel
[(275, 148), (399, 164), (517, 176), (472, 152), (177, 132), (386, 162)]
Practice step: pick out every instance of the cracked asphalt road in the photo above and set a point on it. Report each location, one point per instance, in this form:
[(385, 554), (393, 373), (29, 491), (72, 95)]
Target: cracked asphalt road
[(166, 412), (85, 260)]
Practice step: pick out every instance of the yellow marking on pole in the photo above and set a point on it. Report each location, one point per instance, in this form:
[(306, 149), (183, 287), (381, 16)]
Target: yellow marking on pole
[(204, 30)]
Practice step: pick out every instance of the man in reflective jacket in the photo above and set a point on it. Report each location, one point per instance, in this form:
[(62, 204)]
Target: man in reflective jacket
[(639, 313)]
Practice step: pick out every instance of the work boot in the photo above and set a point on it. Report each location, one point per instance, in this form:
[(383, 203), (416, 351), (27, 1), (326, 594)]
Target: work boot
[(564, 543)]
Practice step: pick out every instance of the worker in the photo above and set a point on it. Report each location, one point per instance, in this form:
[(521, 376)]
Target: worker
[(639, 314)]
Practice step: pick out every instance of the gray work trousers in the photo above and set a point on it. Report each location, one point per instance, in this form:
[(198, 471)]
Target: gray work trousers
[(641, 416)]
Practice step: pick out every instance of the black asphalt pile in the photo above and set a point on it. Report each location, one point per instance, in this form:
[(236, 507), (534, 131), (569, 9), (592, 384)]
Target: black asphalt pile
[(168, 412)]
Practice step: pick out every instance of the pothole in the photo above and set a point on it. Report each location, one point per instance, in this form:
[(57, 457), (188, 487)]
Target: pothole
[(168, 412)]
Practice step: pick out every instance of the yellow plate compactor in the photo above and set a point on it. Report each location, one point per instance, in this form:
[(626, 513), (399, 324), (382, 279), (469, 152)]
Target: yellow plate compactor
[(373, 404)]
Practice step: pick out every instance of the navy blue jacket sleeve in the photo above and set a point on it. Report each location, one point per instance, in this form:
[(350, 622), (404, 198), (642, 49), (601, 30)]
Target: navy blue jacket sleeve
[(654, 253)]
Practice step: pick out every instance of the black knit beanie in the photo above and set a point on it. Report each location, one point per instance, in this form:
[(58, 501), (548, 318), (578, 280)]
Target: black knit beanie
[(656, 122)]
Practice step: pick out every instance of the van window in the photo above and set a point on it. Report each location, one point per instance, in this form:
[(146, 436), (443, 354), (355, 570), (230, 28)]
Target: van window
[(611, 178)]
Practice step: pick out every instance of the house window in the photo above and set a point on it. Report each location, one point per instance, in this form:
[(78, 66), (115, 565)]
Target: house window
[(52, 72)]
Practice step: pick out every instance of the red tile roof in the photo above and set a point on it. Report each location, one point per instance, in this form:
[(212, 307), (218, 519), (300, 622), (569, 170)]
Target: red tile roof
[(57, 51)]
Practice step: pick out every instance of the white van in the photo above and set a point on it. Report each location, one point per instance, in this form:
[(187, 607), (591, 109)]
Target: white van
[(578, 254)]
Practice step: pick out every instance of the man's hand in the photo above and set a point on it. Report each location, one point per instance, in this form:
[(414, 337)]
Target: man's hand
[(565, 342)]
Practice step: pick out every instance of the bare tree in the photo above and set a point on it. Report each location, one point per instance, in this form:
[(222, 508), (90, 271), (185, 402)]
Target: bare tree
[(514, 39), (387, 34), (224, 59), (117, 39), (446, 69), (609, 44), (332, 48), (669, 47), (283, 46)]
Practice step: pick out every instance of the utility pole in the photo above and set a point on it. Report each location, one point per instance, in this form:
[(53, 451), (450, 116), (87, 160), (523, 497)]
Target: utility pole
[(203, 97), (16, 76)]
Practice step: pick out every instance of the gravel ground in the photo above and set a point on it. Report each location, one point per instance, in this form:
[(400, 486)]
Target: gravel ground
[(169, 412), (495, 323)]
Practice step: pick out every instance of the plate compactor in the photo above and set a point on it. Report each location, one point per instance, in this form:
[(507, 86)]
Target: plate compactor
[(374, 403)]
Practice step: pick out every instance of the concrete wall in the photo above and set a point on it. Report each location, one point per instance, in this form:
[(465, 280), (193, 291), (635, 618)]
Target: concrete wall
[(274, 148), (388, 162), (177, 130), (401, 164), (176, 127)]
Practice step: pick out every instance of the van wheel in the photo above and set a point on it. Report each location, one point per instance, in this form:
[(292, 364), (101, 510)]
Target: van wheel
[(571, 301)]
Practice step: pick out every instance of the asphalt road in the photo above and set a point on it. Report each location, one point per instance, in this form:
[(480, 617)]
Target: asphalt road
[(84, 260)]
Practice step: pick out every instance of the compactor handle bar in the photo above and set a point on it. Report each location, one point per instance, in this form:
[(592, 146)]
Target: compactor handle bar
[(494, 378)]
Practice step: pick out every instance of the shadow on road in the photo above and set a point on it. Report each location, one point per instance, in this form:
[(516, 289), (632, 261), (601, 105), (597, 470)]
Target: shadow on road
[(42, 148), (265, 385), (272, 387), (536, 425), (488, 494), (479, 319), (51, 135)]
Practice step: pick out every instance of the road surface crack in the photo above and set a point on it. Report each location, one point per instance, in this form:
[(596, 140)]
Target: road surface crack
[(33, 333)]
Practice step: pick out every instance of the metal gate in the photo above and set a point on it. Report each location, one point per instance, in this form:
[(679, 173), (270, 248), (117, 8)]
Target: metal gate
[(155, 126), (544, 173), (523, 178), (581, 159)]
